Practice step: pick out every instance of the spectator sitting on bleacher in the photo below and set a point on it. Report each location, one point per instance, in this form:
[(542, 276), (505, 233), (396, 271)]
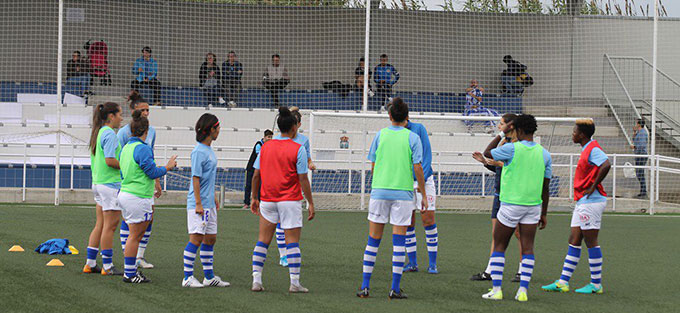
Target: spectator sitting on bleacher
[(515, 77), (145, 70), (385, 77), (359, 78), (275, 78), (78, 74), (473, 107), (232, 71), (209, 78)]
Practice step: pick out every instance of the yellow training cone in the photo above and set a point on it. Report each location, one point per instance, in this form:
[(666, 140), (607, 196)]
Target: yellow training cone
[(55, 262), (73, 250), (16, 248)]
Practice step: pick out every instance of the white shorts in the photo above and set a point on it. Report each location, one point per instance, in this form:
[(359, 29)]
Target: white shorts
[(135, 209), (588, 215), (202, 224), (288, 213), (106, 197), (398, 212), (430, 192), (510, 214)]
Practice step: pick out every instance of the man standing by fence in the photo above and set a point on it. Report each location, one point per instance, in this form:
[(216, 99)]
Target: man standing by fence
[(639, 146)]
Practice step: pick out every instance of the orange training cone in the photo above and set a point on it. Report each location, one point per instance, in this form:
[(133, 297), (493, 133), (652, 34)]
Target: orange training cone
[(55, 262), (16, 248)]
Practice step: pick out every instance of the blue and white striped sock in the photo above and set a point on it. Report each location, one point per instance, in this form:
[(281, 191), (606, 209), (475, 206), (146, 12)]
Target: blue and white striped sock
[(189, 259), (124, 234), (144, 242), (294, 260), (369, 260), (281, 240), (497, 265), (207, 252), (92, 256), (595, 260), (570, 262), (528, 262), (130, 266), (259, 256), (432, 237), (411, 246), (107, 258), (398, 258)]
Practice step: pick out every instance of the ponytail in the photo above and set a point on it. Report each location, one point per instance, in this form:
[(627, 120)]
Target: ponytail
[(135, 98), (139, 125), (296, 112), (204, 126), (99, 117), (286, 119)]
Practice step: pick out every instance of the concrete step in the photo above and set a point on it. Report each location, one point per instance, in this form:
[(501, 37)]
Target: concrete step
[(567, 111)]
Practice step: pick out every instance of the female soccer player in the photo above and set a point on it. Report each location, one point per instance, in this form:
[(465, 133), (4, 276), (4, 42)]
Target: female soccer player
[(592, 167), (202, 205), (105, 152), (139, 171), (506, 135), (396, 154), (138, 103), (304, 141), (524, 200), (282, 169)]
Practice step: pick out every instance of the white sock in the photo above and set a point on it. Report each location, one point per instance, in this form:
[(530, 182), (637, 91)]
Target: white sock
[(488, 267), (257, 277), (519, 267)]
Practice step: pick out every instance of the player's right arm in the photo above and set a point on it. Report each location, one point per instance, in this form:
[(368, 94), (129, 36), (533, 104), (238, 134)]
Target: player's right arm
[(492, 145), (302, 169), (255, 194), (196, 182)]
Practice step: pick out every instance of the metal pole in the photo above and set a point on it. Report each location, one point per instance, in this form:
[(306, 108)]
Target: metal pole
[(311, 144), (653, 144), (439, 174), (349, 172), (73, 154), (165, 160), (60, 44), (23, 184), (657, 179), (614, 185), (483, 184), (571, 177), (363, 168), (367, 42)]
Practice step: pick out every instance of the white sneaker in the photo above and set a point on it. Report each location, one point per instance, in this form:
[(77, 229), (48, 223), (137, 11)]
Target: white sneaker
[(232, 104), (371, 93), (257, 287), (297, 289), (221, 100), (493, 295), (191, 282), (215, 282), (144, 264)]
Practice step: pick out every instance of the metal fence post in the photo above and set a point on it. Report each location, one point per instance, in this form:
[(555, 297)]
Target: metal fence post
[(571, 177), (165, 160), (614, 184), (73, 153), (23, 184)]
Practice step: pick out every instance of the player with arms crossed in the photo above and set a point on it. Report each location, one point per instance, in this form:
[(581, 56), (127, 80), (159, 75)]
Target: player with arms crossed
[(427, 215), (137, 103), (280, 174), (137, 189), (105, 153), (396, 154), (527, 169), (202, 205), (592, 167)]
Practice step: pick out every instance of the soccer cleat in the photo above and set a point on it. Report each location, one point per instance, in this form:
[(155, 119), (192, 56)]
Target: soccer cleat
[(112, 271), (590, 288), (556, 286), (137, 279), (397, 295), (521, 296), (297, 289), (215, 282), (481, 276), (433, 269), (283, 261), (362, 293), (257, 287), (191, 282), (91, 270), (410, 267), (517, 278), (141, 262), (493, 295)]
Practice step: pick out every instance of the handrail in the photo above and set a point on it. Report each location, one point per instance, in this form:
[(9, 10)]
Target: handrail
[(618, 120), (625, 90)]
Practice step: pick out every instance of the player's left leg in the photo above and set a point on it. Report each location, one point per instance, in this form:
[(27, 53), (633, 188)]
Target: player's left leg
[(281, 244), (527, 235), (570, 260), (131, 274), (291, 222), (400, 217), (411, 245), (111, 220), (207, 251), (141, 261), (268, 218), (592, 212)]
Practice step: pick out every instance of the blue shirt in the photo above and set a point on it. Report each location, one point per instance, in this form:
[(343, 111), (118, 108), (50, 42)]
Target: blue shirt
[(232, 71), (109, 143), (387, 73), (304, 141), (149, 69), (124, 135), (640, 141), (420, 130), (416, 156), (144, 157), (597, 157), (203, 166), (301, 163)]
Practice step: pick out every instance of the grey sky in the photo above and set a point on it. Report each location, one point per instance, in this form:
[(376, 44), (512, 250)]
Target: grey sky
[(672, 6)]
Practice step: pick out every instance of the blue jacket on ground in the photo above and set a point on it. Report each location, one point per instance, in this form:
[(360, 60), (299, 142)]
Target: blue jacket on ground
[(54, 246)]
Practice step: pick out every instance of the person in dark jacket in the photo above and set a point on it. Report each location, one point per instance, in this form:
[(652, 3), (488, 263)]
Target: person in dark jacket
[(78, 74), (232, 72), (509, 77), (385, 77), (209, 78), (250, 170)]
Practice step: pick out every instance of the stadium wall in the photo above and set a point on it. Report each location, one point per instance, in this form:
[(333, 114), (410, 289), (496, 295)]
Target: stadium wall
[(433, 51)]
